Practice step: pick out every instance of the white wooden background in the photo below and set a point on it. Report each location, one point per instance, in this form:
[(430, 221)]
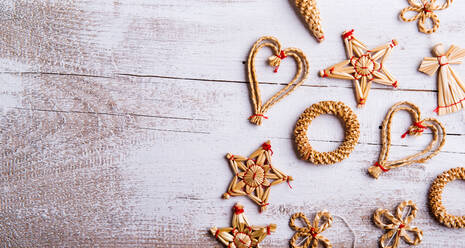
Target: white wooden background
[(115, 117)]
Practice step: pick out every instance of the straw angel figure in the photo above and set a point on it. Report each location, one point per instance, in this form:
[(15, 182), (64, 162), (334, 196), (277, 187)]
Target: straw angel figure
[(451, 89)]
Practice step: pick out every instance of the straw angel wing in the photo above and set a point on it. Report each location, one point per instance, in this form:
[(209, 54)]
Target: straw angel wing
[(451, 89)]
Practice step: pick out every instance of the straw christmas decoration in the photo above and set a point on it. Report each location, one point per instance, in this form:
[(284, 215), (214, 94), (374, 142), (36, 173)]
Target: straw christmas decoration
[(352, 132), (417, 128), (398, 226), (254, 176), (241, 234), (311, 233), (451, 89), (435, 198), (363, 66), (275, 61), (310, 13), (425, 10)]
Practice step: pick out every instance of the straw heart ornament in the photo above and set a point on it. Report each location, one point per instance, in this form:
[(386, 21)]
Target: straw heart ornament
[(363, 66), (310, 236), (242, 234), (424, 10), (398, 226), (254, 175), (275, 61), (451, 89), (417, 128)]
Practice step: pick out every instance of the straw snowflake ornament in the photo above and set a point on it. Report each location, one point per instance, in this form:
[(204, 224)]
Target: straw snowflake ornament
[(451, 89), (398, 226), (363, 66), (254, 175), (242, 234), (310, 13), (424, 10)]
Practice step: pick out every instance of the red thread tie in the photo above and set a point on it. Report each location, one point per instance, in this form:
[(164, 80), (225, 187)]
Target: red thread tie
[(450, 105), (439, 61), (394, 84), (313, 232), (217, 232), (267, 147), (252, 116), (238, 210), (268, 230), (362, 101), (288, 182), (418, 125), (348, 34), (281, 56), (381, 167)]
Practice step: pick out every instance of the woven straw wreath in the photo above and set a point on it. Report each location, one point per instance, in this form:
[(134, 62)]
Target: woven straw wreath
[(352, 132)]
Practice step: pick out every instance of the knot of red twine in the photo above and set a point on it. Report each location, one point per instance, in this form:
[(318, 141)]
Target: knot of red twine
[(280, 56), (394, 84), (362, 100), (268, 230), (381, 167), (348, 34), (267, 147), (252, 116), (420, 129), (313, 232), (217, 232), (238, 210), (439, 61)]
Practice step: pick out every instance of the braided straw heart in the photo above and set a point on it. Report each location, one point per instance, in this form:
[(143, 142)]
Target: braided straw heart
[(311, 233), (416, 129), (398, 226), (274, 60)]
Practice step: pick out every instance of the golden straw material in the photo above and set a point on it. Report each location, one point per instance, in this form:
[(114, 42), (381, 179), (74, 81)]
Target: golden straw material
[(310, 235), (254, 176), (275, 60), (310, 13), (451, 89), (363, 66), (352, 132), (398, 226), (241, 234), (424, 10), (417, 128), (435, 198)]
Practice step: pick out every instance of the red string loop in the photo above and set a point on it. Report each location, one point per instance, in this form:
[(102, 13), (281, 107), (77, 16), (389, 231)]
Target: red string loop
[(252, 116), (348, 34), (238, 210), (267, 147)]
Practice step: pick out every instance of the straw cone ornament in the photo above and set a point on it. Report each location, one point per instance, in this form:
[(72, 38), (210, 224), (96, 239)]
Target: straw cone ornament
[(363, 66), (425, 10), (254, 176), (241, 234), (310, 235), (417, 128), (310, 13), (398, 226), (451, 89), (275, 60)]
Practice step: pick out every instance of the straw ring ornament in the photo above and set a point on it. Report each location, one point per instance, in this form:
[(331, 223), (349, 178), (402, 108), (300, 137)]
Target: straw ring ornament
[(417, 128), (311, 233), (425, 10), (352, 132), (275, 61), (398, 226), (435, 198)]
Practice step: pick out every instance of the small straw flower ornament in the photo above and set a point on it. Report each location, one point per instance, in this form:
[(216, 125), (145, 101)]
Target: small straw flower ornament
[(424, 10)]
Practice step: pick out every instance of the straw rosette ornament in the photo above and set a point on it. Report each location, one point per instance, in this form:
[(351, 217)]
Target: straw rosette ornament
[(451, 89), (417, 128), (398, 226), (279, 54), (363, 66), (309, 236), (241, 234), (254, 175)]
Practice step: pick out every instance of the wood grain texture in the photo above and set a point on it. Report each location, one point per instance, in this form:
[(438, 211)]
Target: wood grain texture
[(115, 117)]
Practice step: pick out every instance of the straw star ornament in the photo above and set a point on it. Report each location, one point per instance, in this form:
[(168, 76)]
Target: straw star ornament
[(363, 66), (254, 175), (241, 234)]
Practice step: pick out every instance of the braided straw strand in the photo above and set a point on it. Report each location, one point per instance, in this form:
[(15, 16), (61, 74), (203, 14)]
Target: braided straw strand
[(275, 60), (311, 233), (435, 198), (398, 226), (310, 13), (416, 129), (425, 10), (352, 132)]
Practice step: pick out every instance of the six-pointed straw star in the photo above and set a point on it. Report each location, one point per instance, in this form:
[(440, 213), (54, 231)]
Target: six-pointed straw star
[(241, 234), (254, 176), (364, 66)]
